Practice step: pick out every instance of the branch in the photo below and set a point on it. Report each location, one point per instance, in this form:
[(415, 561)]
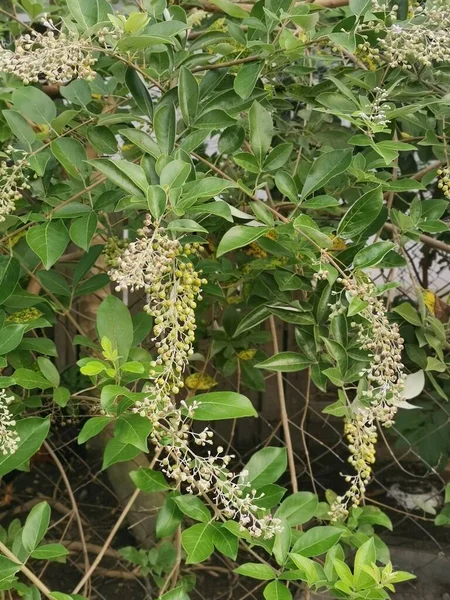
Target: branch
[(26, 571)]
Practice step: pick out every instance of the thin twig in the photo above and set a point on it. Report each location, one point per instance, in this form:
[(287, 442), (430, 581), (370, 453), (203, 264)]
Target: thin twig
[(302, 429), (74, 508), (283, 411)]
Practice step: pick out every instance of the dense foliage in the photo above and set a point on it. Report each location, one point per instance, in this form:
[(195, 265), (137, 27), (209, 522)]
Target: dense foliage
[(229, 167)]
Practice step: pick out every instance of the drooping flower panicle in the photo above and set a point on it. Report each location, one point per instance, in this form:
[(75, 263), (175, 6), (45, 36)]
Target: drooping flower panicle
[(384, 384), (161, 267)]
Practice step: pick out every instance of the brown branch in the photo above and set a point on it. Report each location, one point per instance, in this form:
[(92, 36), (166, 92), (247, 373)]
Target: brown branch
[(26, 571)]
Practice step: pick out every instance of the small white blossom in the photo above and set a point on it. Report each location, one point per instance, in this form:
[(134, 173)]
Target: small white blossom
[(9, 440), (51, 56)]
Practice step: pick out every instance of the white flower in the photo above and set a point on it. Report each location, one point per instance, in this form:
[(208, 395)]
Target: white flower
[(9, 440)]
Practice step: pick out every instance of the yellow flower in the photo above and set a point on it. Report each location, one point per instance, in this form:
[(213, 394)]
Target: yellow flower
[(338, 243), (247, 354), (23, 316), (197, 381), (254, 250), (272, 235)]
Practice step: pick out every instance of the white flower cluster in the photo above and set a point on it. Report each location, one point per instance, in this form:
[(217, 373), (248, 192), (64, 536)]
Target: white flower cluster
[(12, 182), (51, 56), (423, 39), (160, 266), (195, 17), (209, 474), (377, 115), (9, 440), (384, 378)]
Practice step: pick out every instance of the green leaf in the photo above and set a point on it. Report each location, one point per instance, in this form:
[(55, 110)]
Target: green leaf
[(298, 508), (277, 159), (19, 126), (285, 362), (265, 466), (169, 517), (48, 370), (225, 542), (9, 276), (252, 319), (36, 526), (70, 153), (175, 594), (7, 569), (126, 175), (116, 452), (372, 255), (198, 542), (282, 542), (139, 91), (317, 540), (142, 140), (206, 188), (245, 81), (48, 241), (217, 406), (309, 228), (285, 183), (214, 119), (231, 8), (29, 379), (239, 236), (361, 214), (156, 201), (307, 566), (77, 91), (356, 306), (32, 432), (324, 168), (193, 507), (134, 430), (139, 42), (408, 313), (85, 12), (114, 322), (164, 126), (275, 590), (54, 282), (83, 229), (261, 130), (188, 95), (10, 337), (61, 396), (149, 480), (33, 104), (256, 571), (50, 552), (366, 555), (175, 173), (93, 427)]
